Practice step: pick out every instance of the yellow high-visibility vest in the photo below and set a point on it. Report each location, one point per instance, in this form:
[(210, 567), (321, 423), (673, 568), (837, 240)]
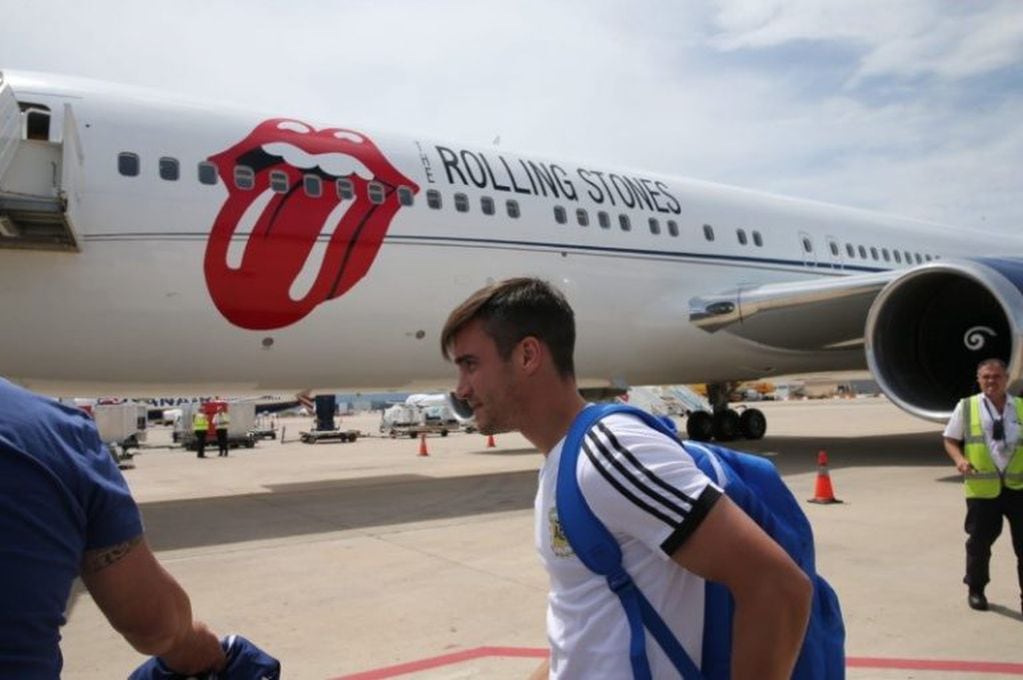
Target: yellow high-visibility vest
[(987, 481), (199, 422)]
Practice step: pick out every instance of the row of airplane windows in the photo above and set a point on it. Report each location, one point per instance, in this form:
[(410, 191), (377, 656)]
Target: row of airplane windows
[(129, 165), (873, 253)]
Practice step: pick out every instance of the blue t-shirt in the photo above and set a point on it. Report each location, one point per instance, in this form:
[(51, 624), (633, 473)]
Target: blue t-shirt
[(60, 495)]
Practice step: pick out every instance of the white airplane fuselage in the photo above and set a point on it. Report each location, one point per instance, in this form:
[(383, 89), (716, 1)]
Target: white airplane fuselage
[(178, 286)]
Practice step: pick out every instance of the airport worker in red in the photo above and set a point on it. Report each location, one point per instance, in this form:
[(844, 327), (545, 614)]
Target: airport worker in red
[(983, 440), (66, 512)]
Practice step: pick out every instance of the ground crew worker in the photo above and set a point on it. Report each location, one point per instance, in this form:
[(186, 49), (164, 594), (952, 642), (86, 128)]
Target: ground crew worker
[(983, 440), (221, 420), (200, 425)]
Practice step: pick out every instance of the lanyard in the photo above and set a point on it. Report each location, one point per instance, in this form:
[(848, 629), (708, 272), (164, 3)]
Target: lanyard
[(997, 424)]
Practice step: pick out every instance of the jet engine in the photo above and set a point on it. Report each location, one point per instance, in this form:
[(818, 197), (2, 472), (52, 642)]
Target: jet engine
[(929, 328)]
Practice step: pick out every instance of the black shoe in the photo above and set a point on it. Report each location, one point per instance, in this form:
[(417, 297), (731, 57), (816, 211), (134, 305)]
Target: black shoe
[(977, 601)]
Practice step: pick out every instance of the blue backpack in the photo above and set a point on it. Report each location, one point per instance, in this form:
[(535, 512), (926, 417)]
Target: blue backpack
[(755, 486)]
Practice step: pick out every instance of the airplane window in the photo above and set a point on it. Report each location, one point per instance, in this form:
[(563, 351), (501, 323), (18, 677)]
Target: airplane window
[(604, 220), (244, 177), (405, 195), (433, 199), (559, 214), (655, 226), (909, 258), (128, 164), (345, 189), (807, 245), (919, 260), (513, 208), (279, 181), (927, 257), (312, 185), (873, 252), (849, 250), (741, 235), (169, 169), (461, 203), (708, 232), (884, 252), (207, 173), (624, 222), (897, 255), (377, 193), (582, 217), (487, 205), (757, 239), (863, 252), (673, 227), (834, 248)]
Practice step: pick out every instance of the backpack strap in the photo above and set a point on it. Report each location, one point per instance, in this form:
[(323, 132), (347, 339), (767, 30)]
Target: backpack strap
[(597, 548)]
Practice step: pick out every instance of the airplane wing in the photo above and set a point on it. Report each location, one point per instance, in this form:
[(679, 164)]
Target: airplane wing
[(816, 314)]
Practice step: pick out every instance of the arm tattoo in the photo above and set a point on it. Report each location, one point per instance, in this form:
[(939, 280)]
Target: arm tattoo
[(101, 558)]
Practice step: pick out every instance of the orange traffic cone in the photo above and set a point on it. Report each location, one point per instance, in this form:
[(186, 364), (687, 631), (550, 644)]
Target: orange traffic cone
[(823, 493), (490, 441), (422, 445)]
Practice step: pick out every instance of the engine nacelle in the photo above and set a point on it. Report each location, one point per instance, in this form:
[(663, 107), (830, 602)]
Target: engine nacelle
[(929, 328)]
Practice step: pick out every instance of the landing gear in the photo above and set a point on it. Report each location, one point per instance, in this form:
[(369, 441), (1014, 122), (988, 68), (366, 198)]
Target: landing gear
[(753, 423), (725, 424), (700, 426)]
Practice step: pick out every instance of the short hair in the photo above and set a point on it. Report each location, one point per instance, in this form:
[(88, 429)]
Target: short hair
[(514, 309), (993, 361)]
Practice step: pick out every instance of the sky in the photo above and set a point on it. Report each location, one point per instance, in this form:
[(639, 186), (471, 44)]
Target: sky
[(912, 107)]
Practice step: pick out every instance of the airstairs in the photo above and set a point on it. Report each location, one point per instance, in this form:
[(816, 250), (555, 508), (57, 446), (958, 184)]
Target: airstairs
[(37, 177)]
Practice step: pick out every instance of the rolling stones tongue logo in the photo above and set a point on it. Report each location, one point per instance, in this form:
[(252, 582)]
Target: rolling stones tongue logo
[(274, 282)]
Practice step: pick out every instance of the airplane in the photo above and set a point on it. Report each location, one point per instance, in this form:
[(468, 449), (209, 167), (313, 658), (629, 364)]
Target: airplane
[(154, 245)]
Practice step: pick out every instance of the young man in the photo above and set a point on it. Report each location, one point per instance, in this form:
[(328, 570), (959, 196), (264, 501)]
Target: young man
[(65, 511), (513, 344), (983, 440)]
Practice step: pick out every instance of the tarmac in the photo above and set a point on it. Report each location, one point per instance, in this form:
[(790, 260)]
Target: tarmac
[(367, 560)]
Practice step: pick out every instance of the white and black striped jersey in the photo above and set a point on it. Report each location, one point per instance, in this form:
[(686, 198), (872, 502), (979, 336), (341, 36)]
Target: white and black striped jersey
[(651, 496)]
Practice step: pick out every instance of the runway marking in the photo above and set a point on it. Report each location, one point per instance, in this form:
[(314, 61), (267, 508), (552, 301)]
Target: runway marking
[(447, 660), (540, 653)]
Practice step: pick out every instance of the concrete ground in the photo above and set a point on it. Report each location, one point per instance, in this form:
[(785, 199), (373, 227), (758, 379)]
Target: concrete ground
[(367, 560)]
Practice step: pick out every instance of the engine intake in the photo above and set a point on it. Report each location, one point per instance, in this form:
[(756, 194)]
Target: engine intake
[(929, 328)]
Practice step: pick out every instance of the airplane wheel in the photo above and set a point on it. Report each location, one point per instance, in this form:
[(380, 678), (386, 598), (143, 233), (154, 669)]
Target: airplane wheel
[(700, 426), (726, 425), (753, 423)]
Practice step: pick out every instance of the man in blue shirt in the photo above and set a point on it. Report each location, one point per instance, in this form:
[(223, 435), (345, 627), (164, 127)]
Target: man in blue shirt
[(65, 511)]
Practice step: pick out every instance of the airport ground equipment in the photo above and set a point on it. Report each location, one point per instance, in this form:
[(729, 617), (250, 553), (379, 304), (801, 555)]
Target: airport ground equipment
[(325, 428), (122, 427), (239, 431), (419, 415)]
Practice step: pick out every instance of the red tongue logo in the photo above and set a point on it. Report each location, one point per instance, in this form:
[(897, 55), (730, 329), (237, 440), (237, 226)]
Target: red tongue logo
[(256, 293)]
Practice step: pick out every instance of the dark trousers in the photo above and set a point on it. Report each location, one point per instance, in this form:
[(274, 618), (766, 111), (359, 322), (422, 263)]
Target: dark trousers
[(200, 443), (984, 525), (222, 440)]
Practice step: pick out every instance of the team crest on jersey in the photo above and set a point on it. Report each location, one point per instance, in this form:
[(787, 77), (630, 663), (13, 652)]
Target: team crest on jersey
[(289, 187), (559, 542)]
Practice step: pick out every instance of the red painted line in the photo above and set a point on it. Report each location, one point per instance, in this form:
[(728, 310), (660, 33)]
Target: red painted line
[(538, 653), (446, 660), (936, 665)]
